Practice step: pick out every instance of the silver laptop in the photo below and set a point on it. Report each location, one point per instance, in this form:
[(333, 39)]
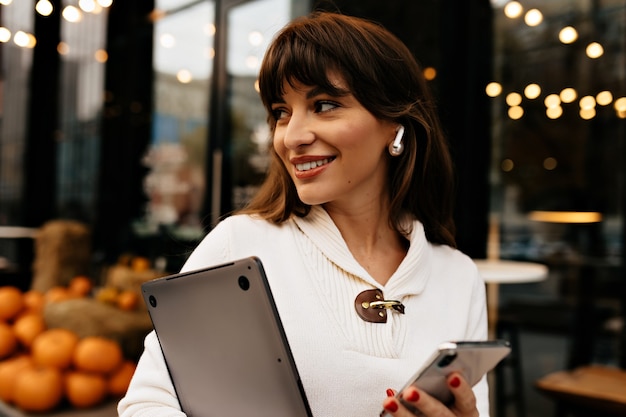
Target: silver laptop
[(224, 344)]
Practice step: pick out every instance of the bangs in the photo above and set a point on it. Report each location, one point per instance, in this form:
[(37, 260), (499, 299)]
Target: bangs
[(293, 59)]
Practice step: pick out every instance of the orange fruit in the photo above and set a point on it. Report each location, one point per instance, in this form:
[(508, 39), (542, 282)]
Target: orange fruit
[(11, 302), (119, 380), (8, 341), (54, 348), (27, 327), (34, 300), (80, 286), (57, 294), (38, 389), (140, 264), (9, 370), (108, 295), (97, 354), (127, 300), (84, 390)]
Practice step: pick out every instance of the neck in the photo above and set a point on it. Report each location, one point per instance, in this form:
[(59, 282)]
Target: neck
[(377, 246)]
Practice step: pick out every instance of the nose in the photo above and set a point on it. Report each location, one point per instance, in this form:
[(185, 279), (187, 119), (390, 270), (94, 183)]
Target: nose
[(298, 132)]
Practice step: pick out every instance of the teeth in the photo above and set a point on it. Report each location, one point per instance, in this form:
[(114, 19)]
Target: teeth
[(313, 164)]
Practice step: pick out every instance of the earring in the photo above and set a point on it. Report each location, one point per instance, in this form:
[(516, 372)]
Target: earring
[(397, 147)]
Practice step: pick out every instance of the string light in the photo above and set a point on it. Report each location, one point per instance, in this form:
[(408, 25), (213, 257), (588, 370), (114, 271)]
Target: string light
[(568, 35), (5, 34), (513, 9), (604, 98), (594, 50), (72, 14), (568, 95), (493, 89), (513, 99), (533, 17), (44, 7), (516, 112), (532, 91)]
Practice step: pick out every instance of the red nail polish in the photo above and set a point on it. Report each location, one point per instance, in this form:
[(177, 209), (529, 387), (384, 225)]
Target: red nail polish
[(390, 392), (455, 382), (391, 406), (413, 396)]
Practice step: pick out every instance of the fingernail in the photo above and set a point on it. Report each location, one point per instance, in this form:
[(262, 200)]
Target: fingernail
[(390, 392), (391, 406), (413, 396), (455, 382)]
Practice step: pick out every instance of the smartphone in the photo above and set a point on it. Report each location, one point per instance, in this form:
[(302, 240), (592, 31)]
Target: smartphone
[(472, 359)]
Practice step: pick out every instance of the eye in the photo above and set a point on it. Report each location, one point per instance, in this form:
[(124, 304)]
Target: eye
[(279, 113), (324, 106)]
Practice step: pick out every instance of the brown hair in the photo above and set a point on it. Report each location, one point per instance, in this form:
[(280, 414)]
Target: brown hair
[(385, 78)]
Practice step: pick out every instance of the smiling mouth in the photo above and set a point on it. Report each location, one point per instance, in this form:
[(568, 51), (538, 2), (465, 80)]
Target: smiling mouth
[(306, 166)]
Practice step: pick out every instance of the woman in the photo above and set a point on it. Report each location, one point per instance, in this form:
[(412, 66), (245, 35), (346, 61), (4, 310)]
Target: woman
[(357, 203)]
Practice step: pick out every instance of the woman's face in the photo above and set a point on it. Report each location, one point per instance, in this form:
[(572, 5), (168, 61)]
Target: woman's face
[(333, 148)]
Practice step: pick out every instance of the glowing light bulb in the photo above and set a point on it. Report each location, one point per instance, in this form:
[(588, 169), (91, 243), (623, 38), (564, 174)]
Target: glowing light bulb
[(513, 9), (594, 50), (532, 91), (44, 7), (533, 17), (568, 35), (493, 89)]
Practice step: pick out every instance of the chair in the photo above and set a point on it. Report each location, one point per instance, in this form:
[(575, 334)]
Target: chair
[(584, 388)]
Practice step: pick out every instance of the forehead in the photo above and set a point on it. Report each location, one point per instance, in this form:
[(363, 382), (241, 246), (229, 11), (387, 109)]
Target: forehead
[(333, 84)]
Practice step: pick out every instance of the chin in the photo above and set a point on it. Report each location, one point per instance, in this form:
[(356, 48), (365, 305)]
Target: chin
[(311, 200)]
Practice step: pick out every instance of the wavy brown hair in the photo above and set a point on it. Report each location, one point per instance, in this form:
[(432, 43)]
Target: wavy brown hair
[(385, 78)]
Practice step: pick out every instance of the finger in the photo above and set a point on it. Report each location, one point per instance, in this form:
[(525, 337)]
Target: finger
[(464, 398), (394, 407), (391, 405), (425, 403)]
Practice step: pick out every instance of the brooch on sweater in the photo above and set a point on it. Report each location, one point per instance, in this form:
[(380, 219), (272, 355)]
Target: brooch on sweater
[(371, 306)]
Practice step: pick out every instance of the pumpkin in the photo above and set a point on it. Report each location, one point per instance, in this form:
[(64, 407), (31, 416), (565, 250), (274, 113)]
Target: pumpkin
[(11, 302), (97, 354), (8, 341), (84, 390), (38, 389), (54, 348)]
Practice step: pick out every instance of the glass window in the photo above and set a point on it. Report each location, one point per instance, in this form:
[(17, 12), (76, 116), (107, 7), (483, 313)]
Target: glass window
[(83, 57), (176, 159), (250, 29), (559, 104), (16, 55)]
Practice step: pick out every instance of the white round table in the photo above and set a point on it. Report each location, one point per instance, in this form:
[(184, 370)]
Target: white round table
[(17, 232), (500, 271)]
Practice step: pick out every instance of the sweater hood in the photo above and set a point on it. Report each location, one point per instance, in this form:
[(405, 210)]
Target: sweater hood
[(412, 274)]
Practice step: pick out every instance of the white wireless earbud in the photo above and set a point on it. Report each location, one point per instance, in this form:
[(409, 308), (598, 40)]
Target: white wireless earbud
[(397, 147)]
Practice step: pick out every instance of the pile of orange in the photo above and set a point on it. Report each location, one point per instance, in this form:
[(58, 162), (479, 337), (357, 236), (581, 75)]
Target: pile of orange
[(44, 368)]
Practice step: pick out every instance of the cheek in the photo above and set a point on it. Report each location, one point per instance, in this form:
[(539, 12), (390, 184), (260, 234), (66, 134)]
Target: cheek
[(279, 148), (278, 145)]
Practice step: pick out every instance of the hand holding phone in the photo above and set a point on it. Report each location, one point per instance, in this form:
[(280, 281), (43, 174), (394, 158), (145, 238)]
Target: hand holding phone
[(472, 359)]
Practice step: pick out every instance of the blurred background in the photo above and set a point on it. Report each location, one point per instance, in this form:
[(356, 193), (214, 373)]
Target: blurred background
[(141, 120)]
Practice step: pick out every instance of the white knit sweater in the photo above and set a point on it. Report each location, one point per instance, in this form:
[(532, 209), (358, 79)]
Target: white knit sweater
[(345, 363)]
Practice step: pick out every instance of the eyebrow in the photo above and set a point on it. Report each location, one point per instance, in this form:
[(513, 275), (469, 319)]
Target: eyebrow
[(316, 91)]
